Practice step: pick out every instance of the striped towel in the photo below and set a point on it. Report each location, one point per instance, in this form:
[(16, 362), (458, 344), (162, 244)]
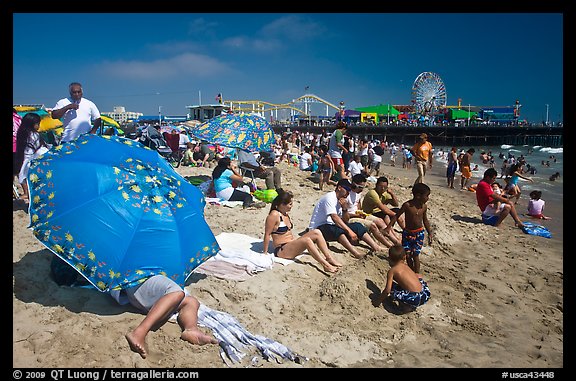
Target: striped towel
[(234, 339)]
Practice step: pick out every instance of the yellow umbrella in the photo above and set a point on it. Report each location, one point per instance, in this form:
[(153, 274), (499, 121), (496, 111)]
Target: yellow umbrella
[(107, 121), (47, 123), (25, 108)]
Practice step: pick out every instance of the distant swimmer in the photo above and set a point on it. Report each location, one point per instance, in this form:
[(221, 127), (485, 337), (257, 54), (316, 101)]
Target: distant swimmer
[(555, 176)]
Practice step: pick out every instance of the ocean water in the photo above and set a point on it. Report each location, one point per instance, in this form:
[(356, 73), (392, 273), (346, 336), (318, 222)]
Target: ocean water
[(551, 190)]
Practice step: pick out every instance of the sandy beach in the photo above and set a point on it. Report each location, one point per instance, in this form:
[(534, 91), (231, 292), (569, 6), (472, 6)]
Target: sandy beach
[(497, 297)]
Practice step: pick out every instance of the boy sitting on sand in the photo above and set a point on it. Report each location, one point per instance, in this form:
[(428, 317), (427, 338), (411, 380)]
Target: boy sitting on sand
[(403, 284)]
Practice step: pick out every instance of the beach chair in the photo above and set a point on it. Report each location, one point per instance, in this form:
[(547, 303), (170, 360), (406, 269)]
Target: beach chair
[(248, 172)]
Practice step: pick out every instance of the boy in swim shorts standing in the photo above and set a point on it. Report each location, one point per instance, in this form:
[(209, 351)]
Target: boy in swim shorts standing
[(403, 284), (416, 221)]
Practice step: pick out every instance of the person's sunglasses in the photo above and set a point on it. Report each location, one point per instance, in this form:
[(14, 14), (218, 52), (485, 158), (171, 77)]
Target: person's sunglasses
[(356, 186)]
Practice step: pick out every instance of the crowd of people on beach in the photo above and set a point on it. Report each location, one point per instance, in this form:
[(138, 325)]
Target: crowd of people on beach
[(344, 166)]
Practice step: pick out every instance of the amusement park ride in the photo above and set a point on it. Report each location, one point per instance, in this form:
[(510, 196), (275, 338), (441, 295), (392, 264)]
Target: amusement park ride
[(301, 105), (428, 102)]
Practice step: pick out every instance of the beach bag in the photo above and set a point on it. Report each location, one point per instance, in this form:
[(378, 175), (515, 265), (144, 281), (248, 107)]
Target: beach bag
[(266, 195)]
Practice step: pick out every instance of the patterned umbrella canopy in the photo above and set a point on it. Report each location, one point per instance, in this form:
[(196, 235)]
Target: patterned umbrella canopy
[(107, 121), (46, 121), (117, 212), (245, 131)]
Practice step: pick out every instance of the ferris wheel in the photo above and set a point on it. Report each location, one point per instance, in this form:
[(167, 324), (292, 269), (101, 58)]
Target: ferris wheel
[(428, 93)]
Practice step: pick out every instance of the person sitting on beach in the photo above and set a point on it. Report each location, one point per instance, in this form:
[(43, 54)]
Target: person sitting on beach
[(485, 197), (278, 226), (402, 283), (416, 221), (272, 175), (327, 216), (355, 167), (189, 155), (377, 200), (305, 160), (536, 205), (160, 297), (374, 224), (208, 155), (222, 176)]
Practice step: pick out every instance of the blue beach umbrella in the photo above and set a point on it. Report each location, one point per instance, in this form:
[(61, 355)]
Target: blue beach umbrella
[(248, 132), (117, 212)]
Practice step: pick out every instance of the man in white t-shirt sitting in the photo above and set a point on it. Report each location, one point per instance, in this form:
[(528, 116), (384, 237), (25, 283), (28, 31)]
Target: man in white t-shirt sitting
[(272, 175), (355, 167), (306, 160), (328, 218), (77, 114)]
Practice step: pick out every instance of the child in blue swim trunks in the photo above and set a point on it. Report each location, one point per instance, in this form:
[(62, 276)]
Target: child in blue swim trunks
[(403, 284), (416, 223)]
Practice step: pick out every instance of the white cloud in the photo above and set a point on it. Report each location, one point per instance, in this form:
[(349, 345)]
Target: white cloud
[(188, 64), (294, 27)]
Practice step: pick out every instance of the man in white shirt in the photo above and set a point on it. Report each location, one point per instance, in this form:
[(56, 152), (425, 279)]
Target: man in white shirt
[(77, 114), (328, 217), (374, 224), (306, 160), (272, 175), (355, 167)]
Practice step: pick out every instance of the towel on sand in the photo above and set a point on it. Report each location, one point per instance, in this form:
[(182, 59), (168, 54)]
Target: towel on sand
[(234, 339)]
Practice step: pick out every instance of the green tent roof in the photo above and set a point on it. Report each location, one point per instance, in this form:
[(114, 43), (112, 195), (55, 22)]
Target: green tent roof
[(387, 109), (461, 114)]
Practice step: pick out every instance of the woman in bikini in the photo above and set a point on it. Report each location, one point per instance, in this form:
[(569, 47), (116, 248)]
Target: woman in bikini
[(279, 227)]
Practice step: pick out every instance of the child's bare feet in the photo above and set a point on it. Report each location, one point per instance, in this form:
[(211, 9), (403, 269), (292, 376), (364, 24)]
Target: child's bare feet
[(197, 337), (137, 344)]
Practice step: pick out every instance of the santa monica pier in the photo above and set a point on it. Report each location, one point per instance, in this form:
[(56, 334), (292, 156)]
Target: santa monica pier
[(428, 111)]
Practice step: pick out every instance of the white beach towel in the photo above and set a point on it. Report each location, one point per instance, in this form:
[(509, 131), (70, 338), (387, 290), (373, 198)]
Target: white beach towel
[(243, 249)]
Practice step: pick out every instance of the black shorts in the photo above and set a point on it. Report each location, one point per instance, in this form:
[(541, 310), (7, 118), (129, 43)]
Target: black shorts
[(333, 232)]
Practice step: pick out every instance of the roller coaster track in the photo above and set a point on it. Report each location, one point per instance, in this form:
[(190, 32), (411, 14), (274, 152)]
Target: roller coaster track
[(262, 106)]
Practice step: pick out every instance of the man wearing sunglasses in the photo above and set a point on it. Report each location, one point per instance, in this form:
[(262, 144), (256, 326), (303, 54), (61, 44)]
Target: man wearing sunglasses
[(377, 200), (374, 224)]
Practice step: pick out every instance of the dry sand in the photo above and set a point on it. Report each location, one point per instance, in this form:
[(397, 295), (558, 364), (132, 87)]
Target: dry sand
[(497, 298)]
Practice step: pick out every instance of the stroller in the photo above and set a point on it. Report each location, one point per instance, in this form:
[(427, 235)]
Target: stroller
[(152, 139)]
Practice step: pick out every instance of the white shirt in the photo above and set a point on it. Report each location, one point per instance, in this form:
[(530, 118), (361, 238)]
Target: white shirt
[(77, 122), (327, 205), (183, 140), (304, 160), (353, 202), (355, 168)]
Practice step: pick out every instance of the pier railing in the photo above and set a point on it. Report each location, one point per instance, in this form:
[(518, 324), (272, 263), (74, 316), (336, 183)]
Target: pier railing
[(447, 135)]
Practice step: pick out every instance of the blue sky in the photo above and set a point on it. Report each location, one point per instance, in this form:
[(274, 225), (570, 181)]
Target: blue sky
[(144, 60)]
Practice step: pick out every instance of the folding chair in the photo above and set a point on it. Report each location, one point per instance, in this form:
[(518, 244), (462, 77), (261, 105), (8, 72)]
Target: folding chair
[(245, 170)]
